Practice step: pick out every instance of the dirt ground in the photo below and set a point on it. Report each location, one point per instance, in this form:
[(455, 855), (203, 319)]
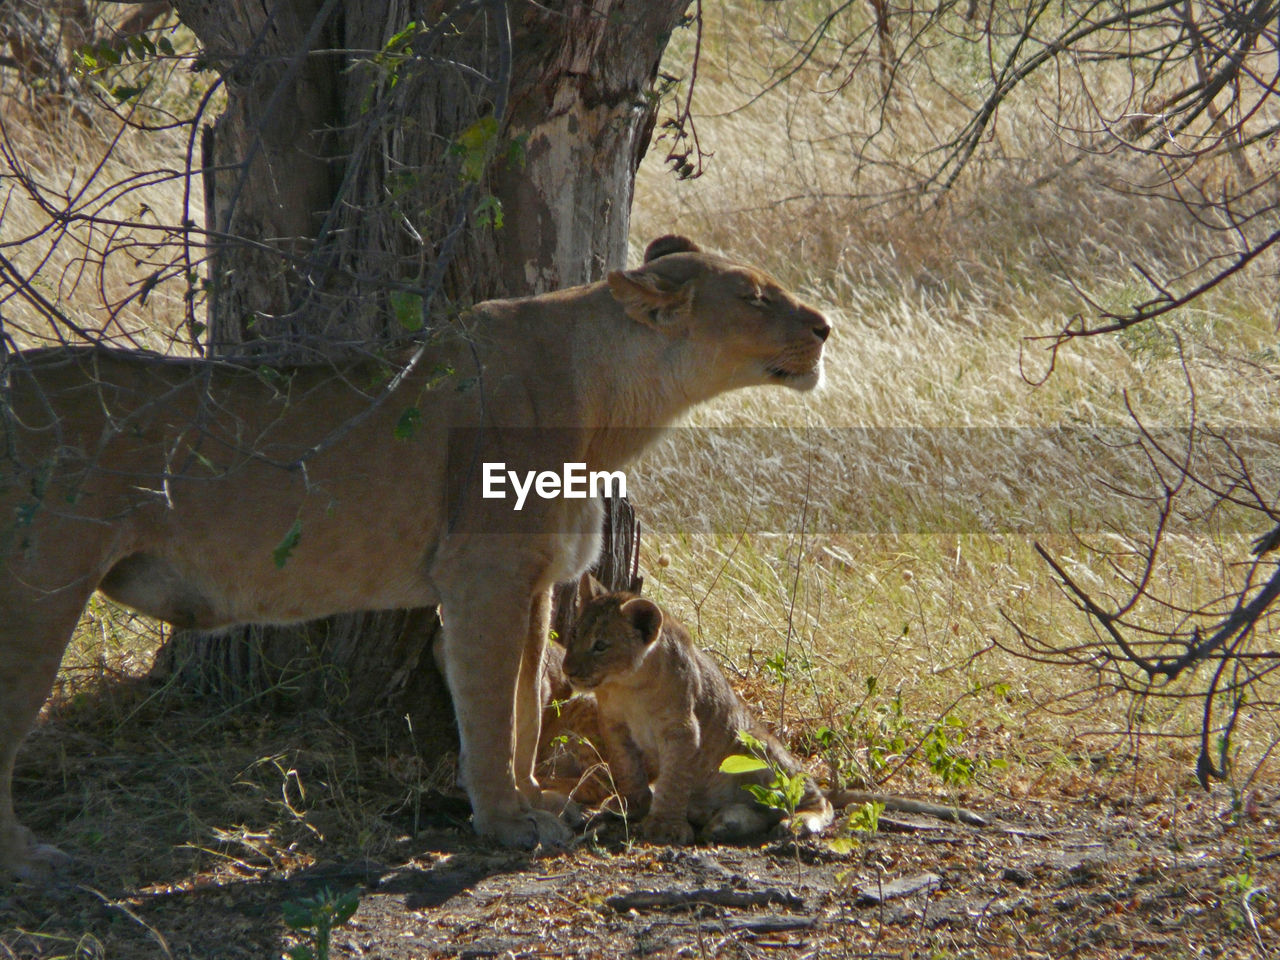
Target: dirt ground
[(199, 835)]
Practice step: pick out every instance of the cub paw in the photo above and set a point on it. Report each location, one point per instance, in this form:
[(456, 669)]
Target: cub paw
[(527, 830), (673, 830)]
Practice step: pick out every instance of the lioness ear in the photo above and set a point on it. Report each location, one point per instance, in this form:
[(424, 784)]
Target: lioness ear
[(645, 616), (669, 243), (650, 298), (588, 589)]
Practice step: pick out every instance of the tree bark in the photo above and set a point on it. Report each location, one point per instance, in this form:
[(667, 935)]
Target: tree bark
[(342, 186)]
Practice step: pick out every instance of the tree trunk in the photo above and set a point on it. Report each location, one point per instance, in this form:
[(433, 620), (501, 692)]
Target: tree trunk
[(367, 177)]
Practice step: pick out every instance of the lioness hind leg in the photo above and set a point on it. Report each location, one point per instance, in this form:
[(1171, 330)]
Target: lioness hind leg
[(483, 650), (32, 638)]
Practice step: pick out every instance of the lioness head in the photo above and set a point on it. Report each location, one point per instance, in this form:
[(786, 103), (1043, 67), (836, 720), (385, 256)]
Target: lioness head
[(612, 635), (682, 291)]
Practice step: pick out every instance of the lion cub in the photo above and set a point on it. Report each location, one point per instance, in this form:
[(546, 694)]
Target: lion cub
[(669, 717)]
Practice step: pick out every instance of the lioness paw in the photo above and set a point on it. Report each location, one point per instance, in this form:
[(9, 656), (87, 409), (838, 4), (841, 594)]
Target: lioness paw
[(673, 830), (527, 830)]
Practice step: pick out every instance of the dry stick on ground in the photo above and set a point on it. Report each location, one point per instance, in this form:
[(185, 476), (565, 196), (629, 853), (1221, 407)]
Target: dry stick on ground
[(939, 811), (714, 896)]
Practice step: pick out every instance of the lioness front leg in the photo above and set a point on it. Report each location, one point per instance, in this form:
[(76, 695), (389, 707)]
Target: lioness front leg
[(483, 649)]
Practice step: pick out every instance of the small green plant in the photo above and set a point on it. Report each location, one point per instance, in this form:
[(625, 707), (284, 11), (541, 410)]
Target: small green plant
[(879, 736), (938, 746), (317, 917), (783, 793), (776, 667), (862, 822), (1240, 888), (866, 819)]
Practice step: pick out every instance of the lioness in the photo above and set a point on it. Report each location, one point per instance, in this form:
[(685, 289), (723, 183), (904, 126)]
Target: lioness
[(668, 716), (212, 493)]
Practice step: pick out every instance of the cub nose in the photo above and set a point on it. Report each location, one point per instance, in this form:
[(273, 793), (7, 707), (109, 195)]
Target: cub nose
[(821, 329)]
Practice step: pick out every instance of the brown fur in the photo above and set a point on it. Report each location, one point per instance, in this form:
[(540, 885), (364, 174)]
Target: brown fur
[(173, 485), (668, 717)]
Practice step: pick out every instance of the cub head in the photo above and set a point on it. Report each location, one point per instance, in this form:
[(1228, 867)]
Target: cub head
[(756, 331), (611, 637)]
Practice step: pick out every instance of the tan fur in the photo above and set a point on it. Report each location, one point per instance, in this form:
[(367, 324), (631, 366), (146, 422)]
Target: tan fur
[(668, 718), (173, 485), (569, 758)]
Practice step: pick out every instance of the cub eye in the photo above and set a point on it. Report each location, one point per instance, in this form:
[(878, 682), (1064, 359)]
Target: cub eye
[(600, 646)]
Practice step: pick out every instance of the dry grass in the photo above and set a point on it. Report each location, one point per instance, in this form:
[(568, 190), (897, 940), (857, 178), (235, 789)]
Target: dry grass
[(885, 526), (89, 208)]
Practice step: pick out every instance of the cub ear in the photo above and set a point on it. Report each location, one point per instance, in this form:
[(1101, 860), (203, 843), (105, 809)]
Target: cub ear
[(651, 298), (588, 589), (669, 243), (645, 616)]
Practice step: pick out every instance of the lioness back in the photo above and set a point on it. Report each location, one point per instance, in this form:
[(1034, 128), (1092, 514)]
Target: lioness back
[(669, 718)]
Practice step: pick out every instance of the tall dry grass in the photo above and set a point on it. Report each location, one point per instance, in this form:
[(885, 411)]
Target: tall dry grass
[(92, 201), (885, 526)]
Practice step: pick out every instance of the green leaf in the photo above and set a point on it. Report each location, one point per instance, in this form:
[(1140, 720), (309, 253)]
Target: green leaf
[(124, 92), (765, 795), (408, 423), (754, 744), (407, 307), (298, 915), (345, 907), (489, 211), (284, 549), (842, 845), (165, 46), (474, 146), (793, 789), (516, 150), (739, 763), (402, 37)]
